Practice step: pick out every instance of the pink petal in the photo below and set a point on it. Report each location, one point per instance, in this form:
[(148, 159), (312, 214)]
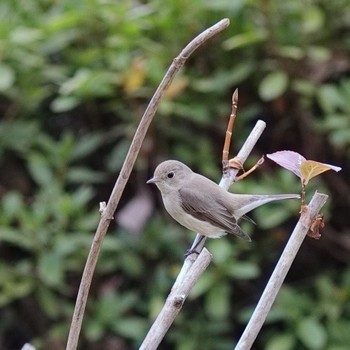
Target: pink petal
[(289, 160)]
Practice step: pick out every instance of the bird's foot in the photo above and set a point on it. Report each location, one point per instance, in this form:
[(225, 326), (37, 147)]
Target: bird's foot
[(190, 252)]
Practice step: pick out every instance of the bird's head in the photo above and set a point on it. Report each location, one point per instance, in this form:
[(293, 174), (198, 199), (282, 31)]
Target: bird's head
[(170, 176)]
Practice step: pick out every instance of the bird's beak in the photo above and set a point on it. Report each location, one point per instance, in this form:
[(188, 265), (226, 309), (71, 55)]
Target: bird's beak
[(152, 180)]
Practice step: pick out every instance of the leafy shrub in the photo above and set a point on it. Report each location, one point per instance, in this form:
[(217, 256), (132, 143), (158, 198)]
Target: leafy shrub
[(75, 78)]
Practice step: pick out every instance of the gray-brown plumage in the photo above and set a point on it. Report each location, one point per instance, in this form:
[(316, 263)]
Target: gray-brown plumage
[(201, 205)]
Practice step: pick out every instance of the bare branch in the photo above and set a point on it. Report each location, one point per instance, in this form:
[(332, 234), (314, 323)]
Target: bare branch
[(174, 302), (274, 284), (108, 212)]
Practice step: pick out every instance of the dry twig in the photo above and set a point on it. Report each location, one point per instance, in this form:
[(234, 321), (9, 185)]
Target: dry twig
[(248, 172), (108, 211)]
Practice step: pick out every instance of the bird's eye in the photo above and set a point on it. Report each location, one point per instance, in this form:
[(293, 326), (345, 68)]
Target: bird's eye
[(171, 175)]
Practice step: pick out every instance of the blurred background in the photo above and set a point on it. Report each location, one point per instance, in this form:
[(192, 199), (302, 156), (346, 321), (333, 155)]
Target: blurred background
[(75, 78)]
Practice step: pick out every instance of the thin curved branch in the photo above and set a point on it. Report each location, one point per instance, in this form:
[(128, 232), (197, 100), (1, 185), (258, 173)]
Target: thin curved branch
[(108, 212)]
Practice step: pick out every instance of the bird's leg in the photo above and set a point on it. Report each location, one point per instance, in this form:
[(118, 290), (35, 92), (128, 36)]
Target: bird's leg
[(193, 250)]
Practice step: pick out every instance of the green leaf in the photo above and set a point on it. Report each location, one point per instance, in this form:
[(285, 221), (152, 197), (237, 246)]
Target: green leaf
[(274, 214), (218, 301), (273, 85), (19, 136), (281, 341), (12, 204), (117, 155), (244, 39), (7, 77), (16, 238), (82, 195), (39, 168), (26, 35), (221, 250), (85, 175), (50, 267), (243, 270), (312, 333), (203, 284), (330, 98), (87, 145), (293, 52), (15, 282), (131, 327), (313, 19), (94, 330), (48, 301), (64, 103)]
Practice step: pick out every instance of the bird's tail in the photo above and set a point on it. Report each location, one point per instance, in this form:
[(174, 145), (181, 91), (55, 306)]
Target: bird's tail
[(249, 202)]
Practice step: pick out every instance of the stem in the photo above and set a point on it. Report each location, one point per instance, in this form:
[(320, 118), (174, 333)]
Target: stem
[(228, 135)]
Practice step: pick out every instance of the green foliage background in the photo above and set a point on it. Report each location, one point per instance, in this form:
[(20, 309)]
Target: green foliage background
[(75, 77)]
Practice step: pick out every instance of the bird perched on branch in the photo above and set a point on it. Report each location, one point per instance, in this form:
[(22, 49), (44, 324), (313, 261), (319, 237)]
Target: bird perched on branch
[(201, 205)]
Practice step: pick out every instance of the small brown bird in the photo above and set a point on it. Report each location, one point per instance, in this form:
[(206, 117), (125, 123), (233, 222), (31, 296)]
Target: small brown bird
[(201, 205)]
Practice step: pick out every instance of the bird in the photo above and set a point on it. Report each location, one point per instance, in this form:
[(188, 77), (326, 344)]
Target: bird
[(201, 205)]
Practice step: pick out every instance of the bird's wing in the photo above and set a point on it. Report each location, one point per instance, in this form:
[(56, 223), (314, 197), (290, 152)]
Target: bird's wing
[(196, 203)]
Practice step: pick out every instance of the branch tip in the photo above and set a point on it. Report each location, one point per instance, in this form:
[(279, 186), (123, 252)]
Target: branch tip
[(235, 97), (230, 124), (102, 208)]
